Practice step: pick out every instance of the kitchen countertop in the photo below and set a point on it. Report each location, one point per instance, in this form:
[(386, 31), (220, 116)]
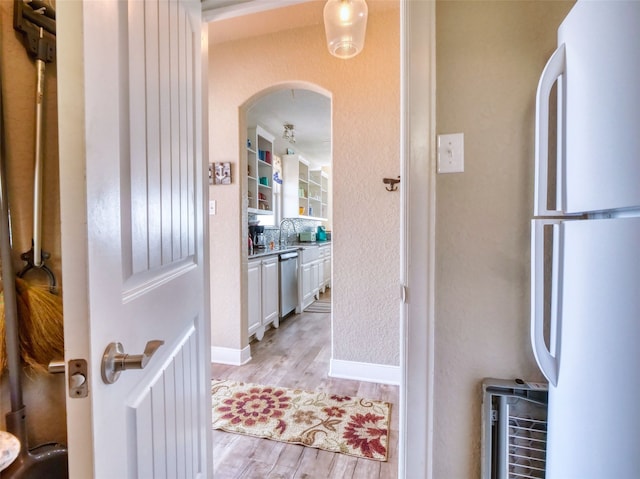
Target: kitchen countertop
[(311, 244), (260, 253)]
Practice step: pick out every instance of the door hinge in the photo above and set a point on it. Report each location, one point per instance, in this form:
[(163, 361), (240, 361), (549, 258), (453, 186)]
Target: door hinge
[(403, 293)]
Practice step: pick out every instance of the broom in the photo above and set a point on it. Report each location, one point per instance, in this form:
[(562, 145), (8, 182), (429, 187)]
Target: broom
[(40, 326), (39, 309)]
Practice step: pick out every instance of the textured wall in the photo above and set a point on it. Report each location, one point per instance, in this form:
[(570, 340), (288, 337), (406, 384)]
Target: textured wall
[(489, 58), (44, 395), (366, 124)]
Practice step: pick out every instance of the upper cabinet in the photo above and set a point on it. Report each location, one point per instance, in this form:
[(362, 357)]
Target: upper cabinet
[(259, 171), (319, 193), (305, 191)]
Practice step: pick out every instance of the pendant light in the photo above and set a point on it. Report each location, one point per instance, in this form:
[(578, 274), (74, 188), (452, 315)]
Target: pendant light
[(345, 23), (289, 133)]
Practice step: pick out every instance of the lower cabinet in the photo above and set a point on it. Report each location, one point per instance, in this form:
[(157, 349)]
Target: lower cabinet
[(270, 299), (262, 275), (325, 267), (309, 269), (306, 287), (255, 296), (315, 281)]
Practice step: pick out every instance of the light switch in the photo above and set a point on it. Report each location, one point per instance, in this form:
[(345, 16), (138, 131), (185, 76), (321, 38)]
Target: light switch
[(451, 153), (212, 207)]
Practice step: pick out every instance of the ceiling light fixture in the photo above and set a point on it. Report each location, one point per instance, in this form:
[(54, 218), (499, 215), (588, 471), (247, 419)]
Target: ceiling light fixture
[(345, 23), (289, 133)]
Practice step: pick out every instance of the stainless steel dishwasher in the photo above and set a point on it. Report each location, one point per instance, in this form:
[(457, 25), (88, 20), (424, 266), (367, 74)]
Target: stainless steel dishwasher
[(288, 282)]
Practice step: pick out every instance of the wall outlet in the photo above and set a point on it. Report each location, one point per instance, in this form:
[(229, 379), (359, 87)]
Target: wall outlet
[(212, 207)]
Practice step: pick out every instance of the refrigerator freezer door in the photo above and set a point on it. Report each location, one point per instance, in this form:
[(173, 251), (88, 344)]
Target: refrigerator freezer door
[(594, 416), (602, 106)]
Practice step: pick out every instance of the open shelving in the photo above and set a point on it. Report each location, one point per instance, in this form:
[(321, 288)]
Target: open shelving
[(259, 171), (306, 191)]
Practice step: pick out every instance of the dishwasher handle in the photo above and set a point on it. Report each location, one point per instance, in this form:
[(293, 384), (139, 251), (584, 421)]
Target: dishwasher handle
[(286, 256)]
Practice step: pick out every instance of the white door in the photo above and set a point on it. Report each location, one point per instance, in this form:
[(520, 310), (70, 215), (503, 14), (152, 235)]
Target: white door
[(254, 282), (599, 64), (131, 168), (593, 410), (270, 299), (305, 286)]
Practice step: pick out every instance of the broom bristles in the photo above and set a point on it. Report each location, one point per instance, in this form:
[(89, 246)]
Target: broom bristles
[(40, 326)]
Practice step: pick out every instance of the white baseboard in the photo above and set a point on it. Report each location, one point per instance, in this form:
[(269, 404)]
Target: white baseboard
[(374, 373), (234, 357)]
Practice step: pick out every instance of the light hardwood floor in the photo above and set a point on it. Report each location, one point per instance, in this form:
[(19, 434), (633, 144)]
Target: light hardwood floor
[(297, 355)]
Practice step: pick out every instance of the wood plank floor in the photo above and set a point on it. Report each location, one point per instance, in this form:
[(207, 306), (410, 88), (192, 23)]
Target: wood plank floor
[(297, 355)]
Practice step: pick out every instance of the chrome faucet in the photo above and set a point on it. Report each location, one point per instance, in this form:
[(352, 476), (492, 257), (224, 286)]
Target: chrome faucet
[(290, 220)]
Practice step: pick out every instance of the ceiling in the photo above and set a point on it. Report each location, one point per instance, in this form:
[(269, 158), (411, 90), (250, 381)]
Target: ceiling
[(233, 20), (310, 114), (308, 111)]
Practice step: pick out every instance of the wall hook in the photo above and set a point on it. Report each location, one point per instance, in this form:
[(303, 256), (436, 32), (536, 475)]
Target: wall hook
[(391, 182)]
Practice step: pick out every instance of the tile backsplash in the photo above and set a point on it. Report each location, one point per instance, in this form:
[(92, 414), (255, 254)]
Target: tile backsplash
[(272, 233)]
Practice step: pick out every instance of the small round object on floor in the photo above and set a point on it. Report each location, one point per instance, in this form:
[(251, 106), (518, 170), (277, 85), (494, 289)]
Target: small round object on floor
[(9, 449)]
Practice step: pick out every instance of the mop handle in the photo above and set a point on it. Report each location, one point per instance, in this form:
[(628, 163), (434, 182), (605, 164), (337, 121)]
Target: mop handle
[(38, 167), (12, 339)]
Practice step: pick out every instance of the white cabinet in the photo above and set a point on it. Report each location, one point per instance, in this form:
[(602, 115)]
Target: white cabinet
[(260, 171), (270, 300), (262, 283), (295, 186), (305, 191), (306, 287), (309, 284), (325, 194), (254, 282), (325, 268), (321, 286), (315, 279), (319, 193)]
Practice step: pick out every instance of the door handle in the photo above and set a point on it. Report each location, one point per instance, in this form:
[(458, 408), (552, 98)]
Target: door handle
[(115, 360), (546, 357), (554, 68)]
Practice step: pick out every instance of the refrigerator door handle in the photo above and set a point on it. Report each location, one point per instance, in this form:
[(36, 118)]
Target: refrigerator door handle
[(546, 357), (552, 70)]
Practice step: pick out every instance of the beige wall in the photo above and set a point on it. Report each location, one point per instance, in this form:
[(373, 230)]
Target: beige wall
[(44, 395), (365, 93), (19, 91), (489, 57)]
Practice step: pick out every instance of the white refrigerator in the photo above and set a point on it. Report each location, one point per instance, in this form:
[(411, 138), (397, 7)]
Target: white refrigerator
[(585, 285)]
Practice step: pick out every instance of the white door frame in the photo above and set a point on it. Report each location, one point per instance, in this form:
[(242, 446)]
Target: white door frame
[(417, 241), (417, 236)]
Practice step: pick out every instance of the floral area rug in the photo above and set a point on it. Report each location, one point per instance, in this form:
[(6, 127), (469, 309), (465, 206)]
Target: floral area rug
[(348, 425)]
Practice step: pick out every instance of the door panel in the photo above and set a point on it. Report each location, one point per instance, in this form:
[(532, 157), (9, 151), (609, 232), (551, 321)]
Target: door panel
[(254, 281), (592, 407), (132, 234), (270, 280), (165, 428), (602, 105)]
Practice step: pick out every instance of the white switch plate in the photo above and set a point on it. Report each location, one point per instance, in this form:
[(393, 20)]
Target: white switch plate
[(451, 153), (212, 207)]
